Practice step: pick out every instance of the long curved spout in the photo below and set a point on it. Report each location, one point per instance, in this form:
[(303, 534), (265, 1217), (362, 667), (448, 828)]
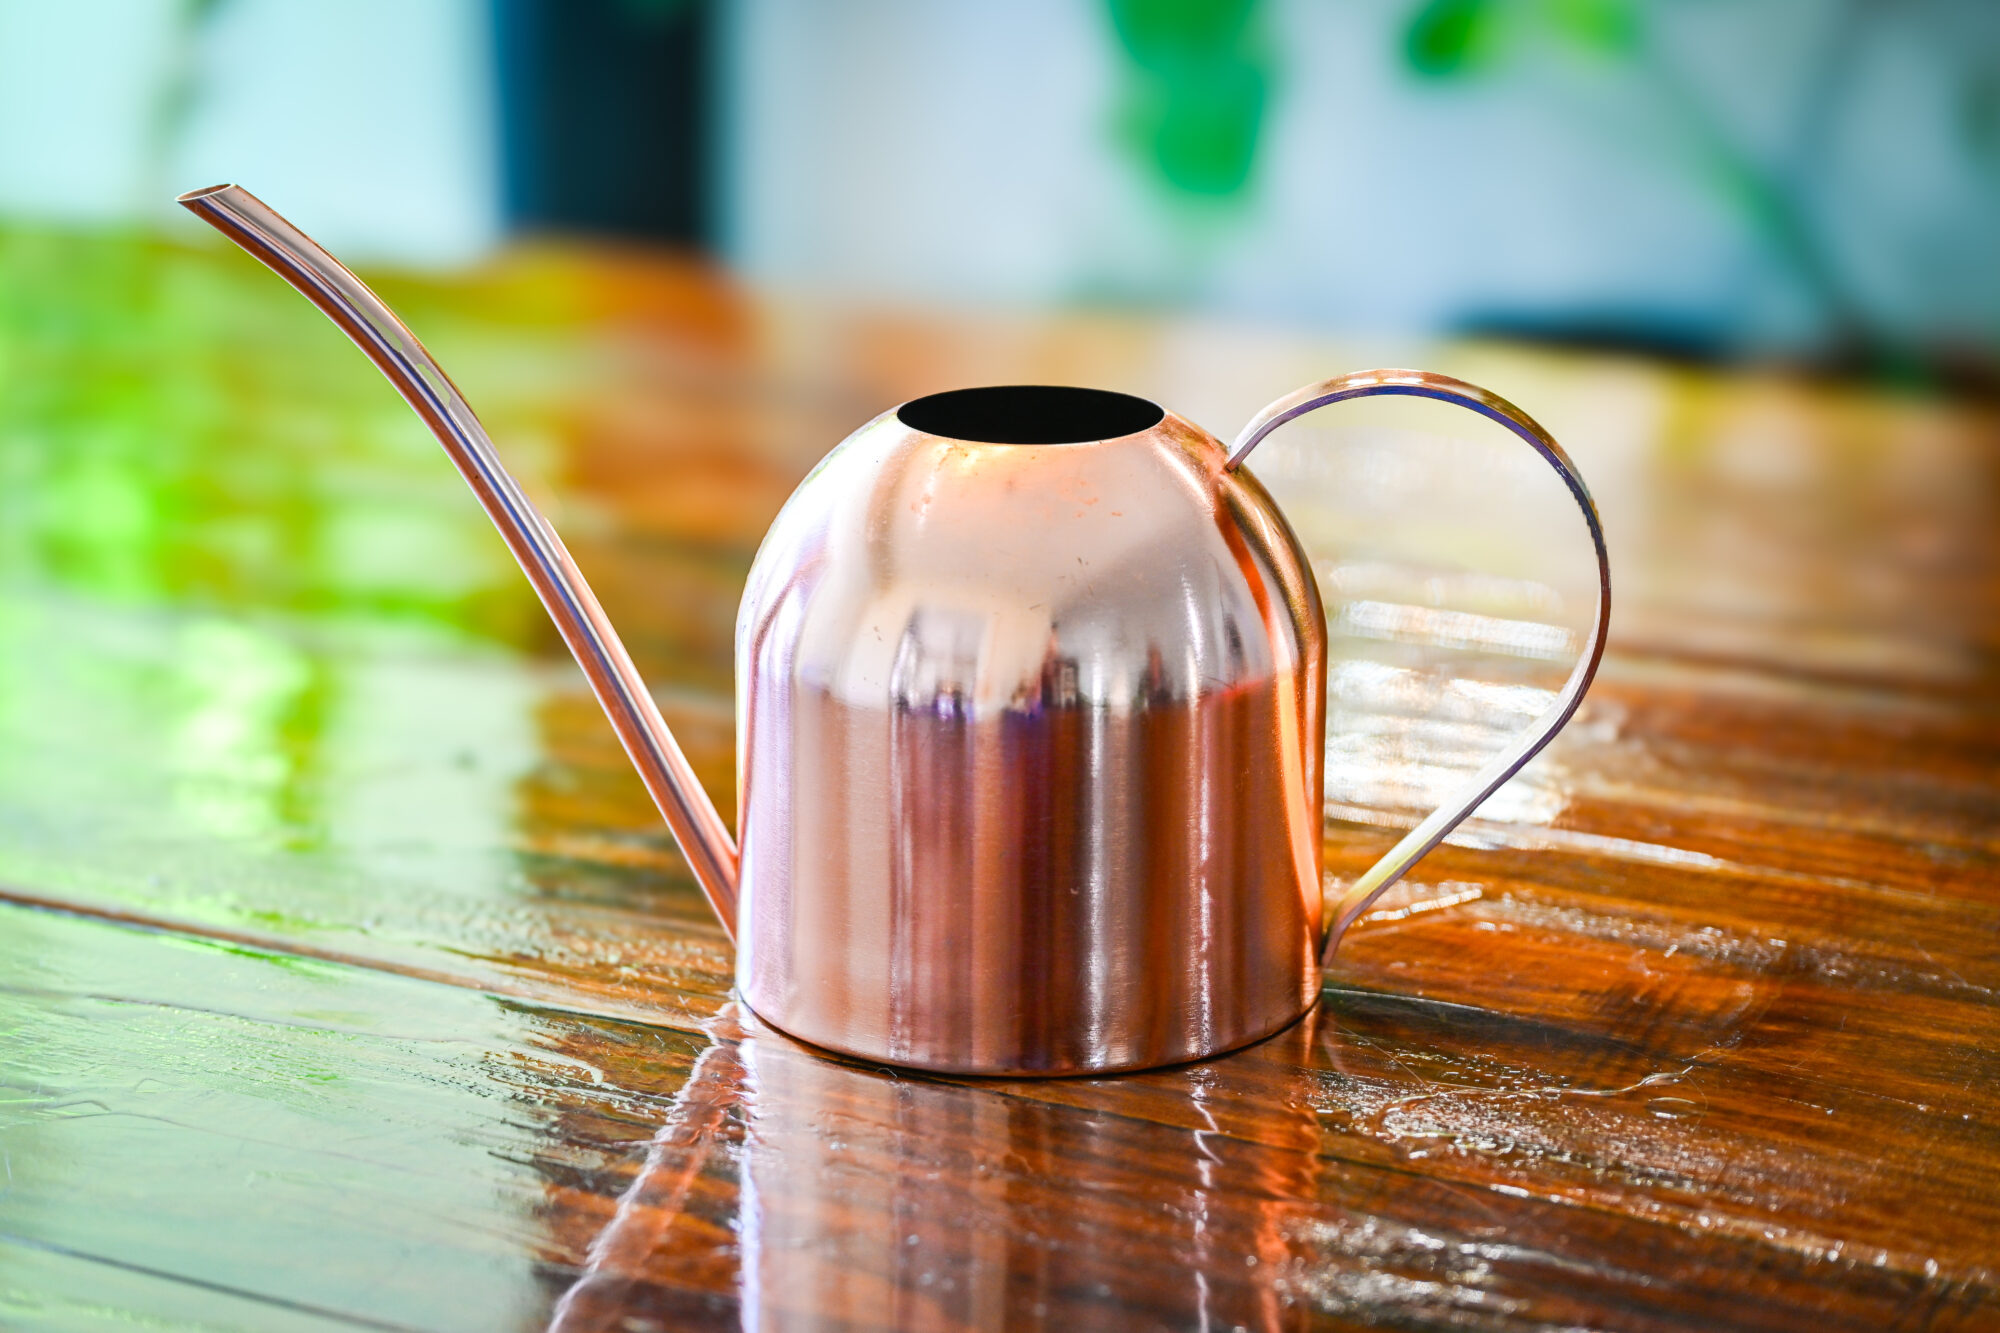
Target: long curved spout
[(291, 254)]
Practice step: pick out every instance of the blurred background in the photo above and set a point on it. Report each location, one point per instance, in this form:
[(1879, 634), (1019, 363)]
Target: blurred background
[(267, 674), (1818, 179), (1739, 256)]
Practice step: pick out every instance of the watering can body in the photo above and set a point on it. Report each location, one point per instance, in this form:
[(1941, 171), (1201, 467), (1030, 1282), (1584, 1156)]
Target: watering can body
[(1030, 715), (1028, 752)]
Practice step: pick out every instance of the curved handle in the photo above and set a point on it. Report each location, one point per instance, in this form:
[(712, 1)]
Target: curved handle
[(360, 314), (1343, 912)]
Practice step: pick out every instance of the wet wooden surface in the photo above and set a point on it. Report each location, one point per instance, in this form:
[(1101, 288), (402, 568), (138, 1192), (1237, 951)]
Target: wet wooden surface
[(348, 980)]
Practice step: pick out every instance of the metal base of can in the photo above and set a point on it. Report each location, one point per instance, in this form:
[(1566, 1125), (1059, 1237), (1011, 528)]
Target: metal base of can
[(1221, 1047)]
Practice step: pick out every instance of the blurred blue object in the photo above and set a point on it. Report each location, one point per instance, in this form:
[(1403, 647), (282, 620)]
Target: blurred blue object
[(605, 107)]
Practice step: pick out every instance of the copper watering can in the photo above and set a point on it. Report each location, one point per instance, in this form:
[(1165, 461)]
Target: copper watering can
[(1030, 693)]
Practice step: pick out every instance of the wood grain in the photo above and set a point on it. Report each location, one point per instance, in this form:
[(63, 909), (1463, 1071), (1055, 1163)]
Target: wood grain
[(346, 978)]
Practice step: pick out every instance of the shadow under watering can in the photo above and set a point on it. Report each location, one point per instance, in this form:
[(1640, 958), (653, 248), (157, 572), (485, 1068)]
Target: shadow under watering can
[(1030, 715)]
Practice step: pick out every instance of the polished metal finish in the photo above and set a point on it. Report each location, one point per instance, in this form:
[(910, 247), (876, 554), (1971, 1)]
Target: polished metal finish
[(1029, 747), (385, 340), (1029, 735), (1347, 907)]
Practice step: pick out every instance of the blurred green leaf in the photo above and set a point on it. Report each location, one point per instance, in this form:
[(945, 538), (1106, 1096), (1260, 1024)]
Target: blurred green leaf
[(1450, 37), (1202, 136), (1603, 27), (1163, 33), (1194, 98)]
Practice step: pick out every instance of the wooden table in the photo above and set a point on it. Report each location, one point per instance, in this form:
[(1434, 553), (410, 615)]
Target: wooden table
[(348, 980)]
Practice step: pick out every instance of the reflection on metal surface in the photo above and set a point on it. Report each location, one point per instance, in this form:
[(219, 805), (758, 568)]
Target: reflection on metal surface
[(1029, 774), (1030, 783)]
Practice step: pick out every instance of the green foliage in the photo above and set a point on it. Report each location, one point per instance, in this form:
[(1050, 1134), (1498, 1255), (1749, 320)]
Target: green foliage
[(1450, 38), (1159, 31), (1601, 27), (1195, 90)]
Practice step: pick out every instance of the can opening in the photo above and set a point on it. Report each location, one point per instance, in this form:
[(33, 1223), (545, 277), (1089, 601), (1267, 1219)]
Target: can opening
[(1030, 414)]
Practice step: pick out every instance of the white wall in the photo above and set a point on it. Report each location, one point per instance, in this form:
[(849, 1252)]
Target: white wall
[(914, 147), (371, 122)]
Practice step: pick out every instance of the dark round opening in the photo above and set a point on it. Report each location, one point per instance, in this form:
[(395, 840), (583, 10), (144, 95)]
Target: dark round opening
[(1030, 414)]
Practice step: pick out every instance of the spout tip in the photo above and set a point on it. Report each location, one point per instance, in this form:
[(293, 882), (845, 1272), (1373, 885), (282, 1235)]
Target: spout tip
[(204, 192)]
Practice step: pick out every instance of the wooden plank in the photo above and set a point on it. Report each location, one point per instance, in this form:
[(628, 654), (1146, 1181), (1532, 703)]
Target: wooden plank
[(350, 1144), (313, 1138), (1697, 1033), (45, 1290), (1675, 965)]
